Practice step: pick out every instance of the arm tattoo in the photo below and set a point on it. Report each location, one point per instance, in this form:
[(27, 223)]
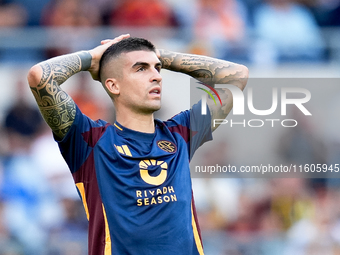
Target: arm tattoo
[(56, 106), (210, 71)]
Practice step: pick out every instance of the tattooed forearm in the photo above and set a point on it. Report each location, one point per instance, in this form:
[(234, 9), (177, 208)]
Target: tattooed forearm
[(56, 106), (207, 69), (210, 71)]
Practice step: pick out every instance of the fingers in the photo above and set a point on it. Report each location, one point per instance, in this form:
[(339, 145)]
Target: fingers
[(115, 40), (105, 41), (121, 37), (158, 53)]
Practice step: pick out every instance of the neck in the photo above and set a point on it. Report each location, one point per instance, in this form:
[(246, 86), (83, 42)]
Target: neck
[(136, 121)]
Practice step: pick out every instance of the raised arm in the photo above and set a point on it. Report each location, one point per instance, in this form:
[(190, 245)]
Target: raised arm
[(45, 78), (209, 70)]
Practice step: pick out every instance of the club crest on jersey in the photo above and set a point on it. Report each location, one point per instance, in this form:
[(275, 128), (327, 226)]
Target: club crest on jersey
[(166, 146)]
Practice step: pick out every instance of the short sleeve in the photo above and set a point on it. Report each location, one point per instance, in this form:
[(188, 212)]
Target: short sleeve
[(200, 128), (78, 143), (194, 127)]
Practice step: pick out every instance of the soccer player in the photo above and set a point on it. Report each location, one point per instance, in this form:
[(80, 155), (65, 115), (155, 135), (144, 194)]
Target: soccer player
[(133, 176)]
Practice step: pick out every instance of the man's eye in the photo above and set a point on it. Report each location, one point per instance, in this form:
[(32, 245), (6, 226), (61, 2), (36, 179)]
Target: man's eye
[(141, 69)]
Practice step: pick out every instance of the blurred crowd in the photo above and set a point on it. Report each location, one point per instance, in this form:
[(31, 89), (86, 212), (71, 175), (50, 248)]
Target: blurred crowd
[(257, 31), (40, 210), (272, 216)]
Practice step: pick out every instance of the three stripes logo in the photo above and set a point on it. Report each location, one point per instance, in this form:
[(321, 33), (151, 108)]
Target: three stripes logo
[(124, 149)]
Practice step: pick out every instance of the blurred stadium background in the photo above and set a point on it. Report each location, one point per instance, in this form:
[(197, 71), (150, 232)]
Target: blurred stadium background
[(40, 212)]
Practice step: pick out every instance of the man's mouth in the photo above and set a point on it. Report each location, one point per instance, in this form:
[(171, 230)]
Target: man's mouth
[(155, 91)]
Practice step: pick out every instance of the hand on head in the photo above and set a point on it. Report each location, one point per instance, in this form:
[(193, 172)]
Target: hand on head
[(97, 53)]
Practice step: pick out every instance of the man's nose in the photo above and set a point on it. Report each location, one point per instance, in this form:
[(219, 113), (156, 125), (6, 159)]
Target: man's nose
[(156, 76)]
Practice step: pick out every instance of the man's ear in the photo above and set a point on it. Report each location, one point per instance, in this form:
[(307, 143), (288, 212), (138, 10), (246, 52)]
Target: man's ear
[(112, 86)]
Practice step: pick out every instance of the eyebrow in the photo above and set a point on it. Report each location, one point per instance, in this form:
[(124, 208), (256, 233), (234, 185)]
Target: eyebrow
[(158, 64)]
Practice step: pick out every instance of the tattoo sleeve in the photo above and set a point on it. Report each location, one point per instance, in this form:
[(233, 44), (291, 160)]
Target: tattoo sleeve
[(201, 67), (56, 106), (210, 71)]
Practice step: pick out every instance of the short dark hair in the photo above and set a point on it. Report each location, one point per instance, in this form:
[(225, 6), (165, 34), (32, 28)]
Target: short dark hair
[(124, 46)]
